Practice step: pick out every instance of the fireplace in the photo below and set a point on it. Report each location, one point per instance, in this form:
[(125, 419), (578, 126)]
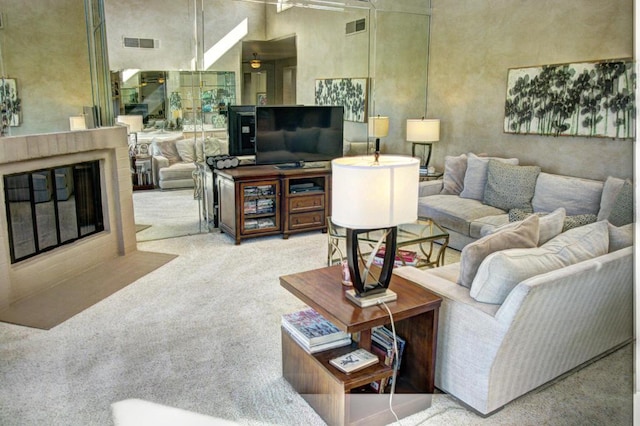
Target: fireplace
[(68, 204)]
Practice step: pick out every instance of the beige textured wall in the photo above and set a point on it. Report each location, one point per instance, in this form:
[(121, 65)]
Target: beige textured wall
[(44, 47), (474, 43)]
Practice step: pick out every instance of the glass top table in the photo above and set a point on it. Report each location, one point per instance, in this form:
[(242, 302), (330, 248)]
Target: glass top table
[(422, 233)]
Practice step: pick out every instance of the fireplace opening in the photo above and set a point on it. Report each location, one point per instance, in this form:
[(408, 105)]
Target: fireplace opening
[(48, 208)]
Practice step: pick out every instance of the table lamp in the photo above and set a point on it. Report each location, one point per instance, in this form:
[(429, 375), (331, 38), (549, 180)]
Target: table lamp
[(77, 122), (370, 195), (378, 128), (133, 123), (421, 131)]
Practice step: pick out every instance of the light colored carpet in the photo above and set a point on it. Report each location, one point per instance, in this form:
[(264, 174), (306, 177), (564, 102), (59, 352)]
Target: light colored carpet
[(169, 214), (202, 334)]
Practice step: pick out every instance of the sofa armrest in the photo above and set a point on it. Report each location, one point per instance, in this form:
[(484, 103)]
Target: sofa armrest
[(158, 163), (431, 187)]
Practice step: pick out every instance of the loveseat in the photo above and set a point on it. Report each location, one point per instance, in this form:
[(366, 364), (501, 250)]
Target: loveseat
[(535, 297), (175, 160)]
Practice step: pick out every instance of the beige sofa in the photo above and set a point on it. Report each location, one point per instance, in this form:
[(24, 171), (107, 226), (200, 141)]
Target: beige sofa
[(175, 160), (530, 299)]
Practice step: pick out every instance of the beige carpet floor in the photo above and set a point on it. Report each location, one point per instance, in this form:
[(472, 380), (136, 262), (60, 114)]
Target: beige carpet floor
[(202, 334)]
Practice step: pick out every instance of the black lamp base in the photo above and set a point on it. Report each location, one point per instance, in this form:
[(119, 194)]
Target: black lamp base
[(365, 293)]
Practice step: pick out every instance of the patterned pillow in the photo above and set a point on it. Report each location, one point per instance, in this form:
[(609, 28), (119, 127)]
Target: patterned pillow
[(509, 186), (622, 211), (577, 220), (475, 177)]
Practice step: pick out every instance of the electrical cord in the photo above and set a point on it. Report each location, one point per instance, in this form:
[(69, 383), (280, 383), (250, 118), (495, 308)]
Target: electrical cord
[(395, 360)]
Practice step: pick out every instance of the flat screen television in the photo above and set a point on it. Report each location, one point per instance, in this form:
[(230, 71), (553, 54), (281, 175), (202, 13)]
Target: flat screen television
[(298, 134), (241, 129)]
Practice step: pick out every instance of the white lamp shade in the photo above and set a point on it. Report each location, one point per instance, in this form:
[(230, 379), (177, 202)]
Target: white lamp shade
[(77, 122), (423, 130), (378, 127), (133, 122), (366, 195)]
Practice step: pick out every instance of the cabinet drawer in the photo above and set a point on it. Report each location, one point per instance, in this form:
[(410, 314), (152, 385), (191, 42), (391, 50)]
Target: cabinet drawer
[(306, 220), (306, 203)]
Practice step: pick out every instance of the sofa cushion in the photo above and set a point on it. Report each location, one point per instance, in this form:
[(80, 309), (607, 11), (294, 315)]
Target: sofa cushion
[(454, 171), (454, 212), (609, 193), (475, 177), (501, 271), (186, 150), (551, 224), (620, 236), (509, 186), (486, 225), (622, 210), (576, 195), (177, 171), (524, 234), (167, 149)]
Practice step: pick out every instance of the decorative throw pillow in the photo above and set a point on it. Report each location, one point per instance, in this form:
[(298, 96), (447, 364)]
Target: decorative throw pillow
[(622, 210), (551, 224), (168, 150), (453, 177), (186, 150), (524, 234), (509, 186), (577, 220), (610, 191), (620, 236), (501, 271), (475, 177)]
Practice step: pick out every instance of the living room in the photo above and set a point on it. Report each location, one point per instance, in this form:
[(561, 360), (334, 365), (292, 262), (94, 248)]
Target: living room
[(471, 48)]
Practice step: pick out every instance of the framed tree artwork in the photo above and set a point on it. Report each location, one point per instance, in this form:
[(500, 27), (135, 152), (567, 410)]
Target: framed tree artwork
[(9, 104), (581, 99), (351, 93)]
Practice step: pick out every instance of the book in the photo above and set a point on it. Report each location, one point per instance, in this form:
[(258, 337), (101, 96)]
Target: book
[(382, 344), (354, 361), (311, 328), (410, 257), (319, 347)]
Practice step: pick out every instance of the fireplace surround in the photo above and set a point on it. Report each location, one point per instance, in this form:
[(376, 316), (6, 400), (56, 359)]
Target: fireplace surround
[(106, 146)]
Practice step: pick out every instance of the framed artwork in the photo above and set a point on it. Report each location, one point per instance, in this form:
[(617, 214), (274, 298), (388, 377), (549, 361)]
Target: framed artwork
[(351, 93), (581, 99), (261, 98), (9, 102)]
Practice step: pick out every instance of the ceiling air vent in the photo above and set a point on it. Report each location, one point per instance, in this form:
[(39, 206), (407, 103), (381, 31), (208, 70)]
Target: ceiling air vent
[(142, 43), (355, 27)]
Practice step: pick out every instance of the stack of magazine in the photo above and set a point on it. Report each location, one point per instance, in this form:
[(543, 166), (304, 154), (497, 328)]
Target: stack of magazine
[(313, 332), (382, 345)]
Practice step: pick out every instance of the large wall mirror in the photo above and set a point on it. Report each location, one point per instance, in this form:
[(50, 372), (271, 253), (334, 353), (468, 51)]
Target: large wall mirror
[(182, 63)]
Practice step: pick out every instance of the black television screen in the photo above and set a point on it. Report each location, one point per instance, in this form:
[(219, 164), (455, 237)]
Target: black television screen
[(241, 128), (294, 134)]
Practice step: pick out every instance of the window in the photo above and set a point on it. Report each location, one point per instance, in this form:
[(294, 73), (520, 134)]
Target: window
[(51, 207)]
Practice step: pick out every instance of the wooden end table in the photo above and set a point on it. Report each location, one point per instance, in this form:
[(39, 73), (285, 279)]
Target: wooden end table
[(334, 395)]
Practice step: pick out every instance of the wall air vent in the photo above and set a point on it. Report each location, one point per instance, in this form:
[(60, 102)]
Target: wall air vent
[(141, 43), (355, 27)]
